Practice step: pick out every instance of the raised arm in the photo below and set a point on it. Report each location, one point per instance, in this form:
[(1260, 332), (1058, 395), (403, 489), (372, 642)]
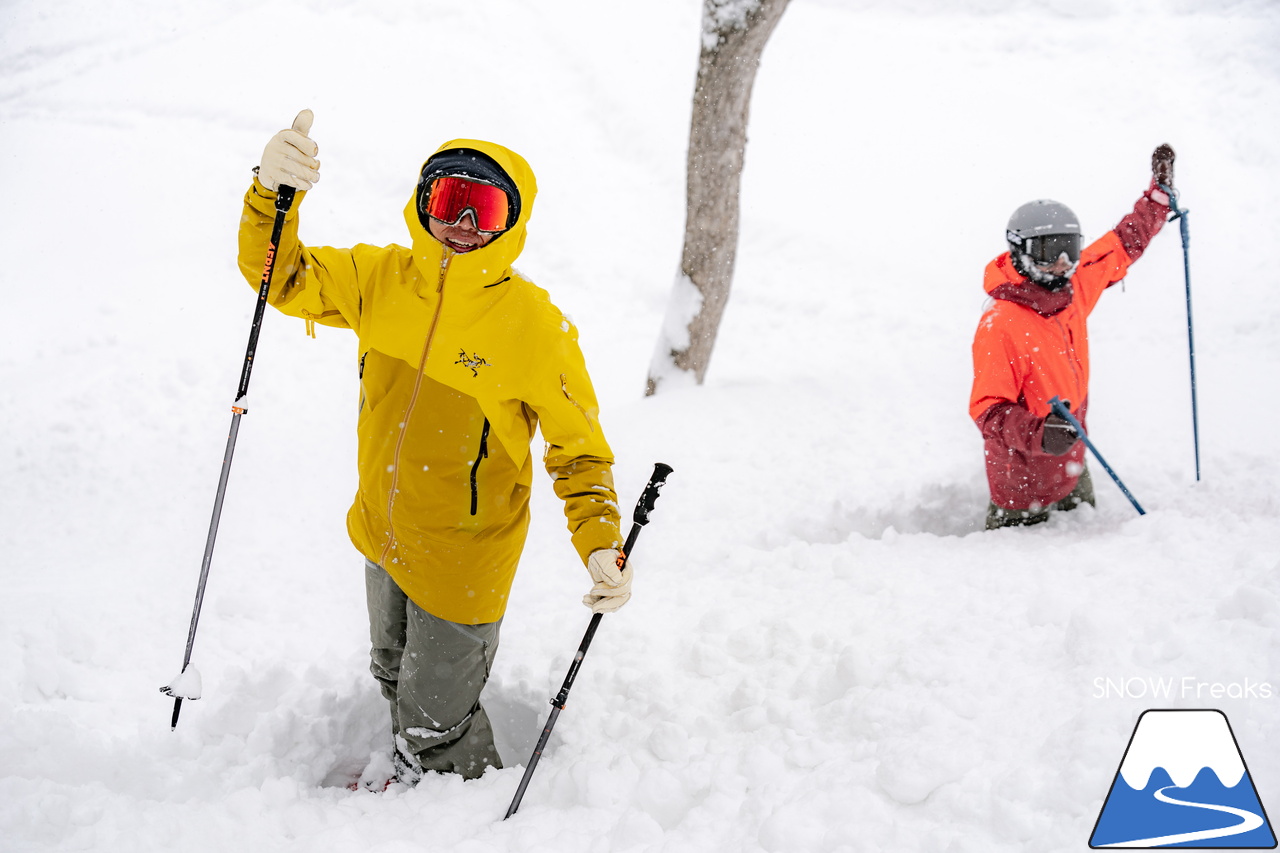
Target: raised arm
[(1107, 260), (1150, 211), (317, 285)]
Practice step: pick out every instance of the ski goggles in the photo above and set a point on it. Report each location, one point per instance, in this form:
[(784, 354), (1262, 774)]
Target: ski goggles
[(1047, 249), (451, 197)]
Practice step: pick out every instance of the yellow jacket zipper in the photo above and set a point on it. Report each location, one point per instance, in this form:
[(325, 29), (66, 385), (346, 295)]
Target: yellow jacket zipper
[(413, 399)]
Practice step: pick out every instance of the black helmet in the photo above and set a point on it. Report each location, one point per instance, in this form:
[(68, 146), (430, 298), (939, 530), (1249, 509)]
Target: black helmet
[(1040, 232)]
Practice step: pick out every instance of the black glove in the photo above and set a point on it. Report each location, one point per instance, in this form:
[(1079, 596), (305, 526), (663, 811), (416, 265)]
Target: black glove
[(1162, 165), (1059, 435)]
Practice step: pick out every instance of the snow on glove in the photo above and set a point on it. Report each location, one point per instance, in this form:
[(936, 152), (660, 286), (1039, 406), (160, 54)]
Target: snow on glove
[(612, 584), (290, 157), (1059, 435)]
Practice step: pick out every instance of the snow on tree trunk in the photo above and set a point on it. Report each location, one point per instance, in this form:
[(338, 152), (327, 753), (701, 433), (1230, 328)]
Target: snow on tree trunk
[(734, 33)]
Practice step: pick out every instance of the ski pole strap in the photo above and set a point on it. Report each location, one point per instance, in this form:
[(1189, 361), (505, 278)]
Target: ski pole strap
[(1060, 409)]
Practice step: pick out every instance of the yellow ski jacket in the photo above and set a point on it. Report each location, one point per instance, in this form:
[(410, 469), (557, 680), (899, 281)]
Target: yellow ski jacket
[(460, 358)]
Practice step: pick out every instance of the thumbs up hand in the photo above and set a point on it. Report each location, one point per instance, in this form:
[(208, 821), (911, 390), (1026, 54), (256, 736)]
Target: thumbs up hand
[(290, 157)]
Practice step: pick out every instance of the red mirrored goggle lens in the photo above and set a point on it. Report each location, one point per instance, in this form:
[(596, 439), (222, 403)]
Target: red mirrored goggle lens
[(451, 197)]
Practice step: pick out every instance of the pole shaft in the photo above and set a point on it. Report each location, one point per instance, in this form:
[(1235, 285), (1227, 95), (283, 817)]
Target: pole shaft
[(213, 533), (1184, 229), (1062, 411), (533, 762), (639, 518), (208, 554), (284, 201)]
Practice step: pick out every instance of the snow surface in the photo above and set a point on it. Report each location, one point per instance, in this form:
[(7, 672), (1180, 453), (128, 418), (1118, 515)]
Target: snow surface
[(824, 651)]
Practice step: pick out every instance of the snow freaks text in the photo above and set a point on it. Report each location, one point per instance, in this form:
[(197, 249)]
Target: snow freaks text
[(1187, 687)]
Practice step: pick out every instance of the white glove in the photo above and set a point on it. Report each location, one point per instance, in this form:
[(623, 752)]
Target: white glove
[(290, 157), (612, 585)]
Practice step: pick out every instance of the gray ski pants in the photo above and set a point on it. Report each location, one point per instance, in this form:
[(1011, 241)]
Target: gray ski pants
[(431, 671)]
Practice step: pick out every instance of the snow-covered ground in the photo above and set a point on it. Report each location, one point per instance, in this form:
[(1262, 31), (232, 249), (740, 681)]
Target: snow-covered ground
[(825, 651)]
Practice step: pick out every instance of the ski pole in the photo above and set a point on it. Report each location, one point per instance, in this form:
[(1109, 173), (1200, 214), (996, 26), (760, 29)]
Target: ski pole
[(187, 686), (639, 518), (1060, 409), (1184, 227)]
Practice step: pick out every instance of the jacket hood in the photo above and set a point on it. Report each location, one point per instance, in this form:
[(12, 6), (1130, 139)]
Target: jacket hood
[(1003, 281), (490, 263)]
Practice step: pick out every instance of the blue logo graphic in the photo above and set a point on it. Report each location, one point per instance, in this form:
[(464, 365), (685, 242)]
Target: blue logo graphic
[(1183, 783)]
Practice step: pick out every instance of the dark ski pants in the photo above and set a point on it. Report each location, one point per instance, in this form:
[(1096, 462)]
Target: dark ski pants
[(432, 672), (998, 517)]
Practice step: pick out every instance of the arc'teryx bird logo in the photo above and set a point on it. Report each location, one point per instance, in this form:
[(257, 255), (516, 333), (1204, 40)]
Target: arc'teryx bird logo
[(1183, 783), (472, 361)]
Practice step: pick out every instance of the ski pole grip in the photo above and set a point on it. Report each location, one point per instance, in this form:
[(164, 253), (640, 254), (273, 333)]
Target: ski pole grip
[(284, 197), (650, 494), (1060, 409), (644, 506)]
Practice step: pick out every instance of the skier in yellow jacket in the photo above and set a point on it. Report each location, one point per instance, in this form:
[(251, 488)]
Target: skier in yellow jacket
[(460, 358)]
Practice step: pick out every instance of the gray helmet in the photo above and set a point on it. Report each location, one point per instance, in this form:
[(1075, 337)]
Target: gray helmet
[(1039, 232)]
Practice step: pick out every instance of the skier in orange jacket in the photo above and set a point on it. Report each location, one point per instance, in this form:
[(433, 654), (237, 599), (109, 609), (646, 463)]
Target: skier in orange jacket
[(1032, 344)]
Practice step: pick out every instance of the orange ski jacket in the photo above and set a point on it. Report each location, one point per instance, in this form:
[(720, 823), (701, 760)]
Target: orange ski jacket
[(1032, 345)]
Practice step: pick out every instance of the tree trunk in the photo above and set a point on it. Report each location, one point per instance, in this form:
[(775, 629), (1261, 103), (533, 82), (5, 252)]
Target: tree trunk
[(734, 33)]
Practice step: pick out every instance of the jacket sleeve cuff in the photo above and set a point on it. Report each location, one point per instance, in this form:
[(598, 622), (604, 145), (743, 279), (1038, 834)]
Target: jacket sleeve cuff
[(600, 533), (1137, 228), (263, 200)]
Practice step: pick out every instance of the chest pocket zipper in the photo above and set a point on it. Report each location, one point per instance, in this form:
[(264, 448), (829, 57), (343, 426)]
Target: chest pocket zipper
[(483, 454), (360, 376)]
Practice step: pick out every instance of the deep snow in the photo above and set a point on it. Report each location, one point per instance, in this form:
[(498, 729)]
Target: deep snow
[(824, 652)]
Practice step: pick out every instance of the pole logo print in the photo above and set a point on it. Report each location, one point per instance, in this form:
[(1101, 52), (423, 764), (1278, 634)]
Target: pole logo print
[(1183, 783)]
